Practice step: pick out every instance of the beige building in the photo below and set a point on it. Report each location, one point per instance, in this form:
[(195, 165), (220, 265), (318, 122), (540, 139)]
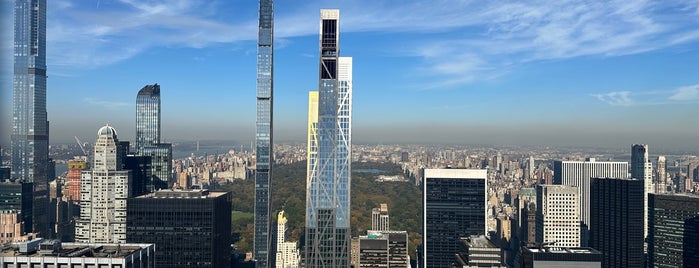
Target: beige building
[(558, 215), (12, 228)]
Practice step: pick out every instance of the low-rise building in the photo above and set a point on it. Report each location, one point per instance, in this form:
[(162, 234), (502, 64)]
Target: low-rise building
[(52, 253)]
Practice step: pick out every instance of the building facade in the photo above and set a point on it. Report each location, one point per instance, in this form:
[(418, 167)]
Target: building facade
[(148, 141), (104, 191), (578, 174), (661, 182), (383, 249), (616, 221), (48, 253), (455, 205), (642, 169), (30, 126), (558, 215), (379, 218), (673, 230), (75, 170), (548, 257), (190, 228), (328, 187), (287, 255), (263, 138)]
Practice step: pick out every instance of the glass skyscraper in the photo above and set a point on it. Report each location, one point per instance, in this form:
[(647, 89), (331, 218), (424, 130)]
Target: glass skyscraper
[(148, 137), (328, 184), (263, 137), (30, 128), (147, 116)]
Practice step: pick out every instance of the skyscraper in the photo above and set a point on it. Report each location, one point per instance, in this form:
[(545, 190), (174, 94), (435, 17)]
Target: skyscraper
[(103, 193), (328, 186), (148, 137), (30, 127), (673, 230), (287, 255), (263, 138), (558, 215), (455, 202), (661, 175), (578, 174), (379, 218), (147, 116), (190, 228), (642, 169), (616, 215)]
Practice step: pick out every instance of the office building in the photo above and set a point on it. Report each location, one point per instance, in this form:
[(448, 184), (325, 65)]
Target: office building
[(104, 191), (30, 127), (263, 138), (478, 251), (673, 230), (616, 221), (148, 138), (558, 215), (147, 116), (547, 257), (287, 255), (190, 228), (379, 218), (383, 249), (52, 253), (12, 228), (661, 182), (578, 174), (642, 169), (16, 196), (141, 178), (454, 202), (328, 187)]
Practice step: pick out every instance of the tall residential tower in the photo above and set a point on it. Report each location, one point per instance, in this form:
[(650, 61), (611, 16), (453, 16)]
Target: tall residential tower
[(263, 137), (642, 169), (30, 126), (328, 184)]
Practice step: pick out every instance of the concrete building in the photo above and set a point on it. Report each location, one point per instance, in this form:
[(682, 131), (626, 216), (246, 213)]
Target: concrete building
[(578, 174), (328, 186), (103, 193), (616, 221), (557, 257), (54, 254), (558, 215), (455, 202), (642, 169), (384, 249), (12, 228), (661, 182), (379, 218), (673, 230), (189, 228), (478, 251), (287, 255)]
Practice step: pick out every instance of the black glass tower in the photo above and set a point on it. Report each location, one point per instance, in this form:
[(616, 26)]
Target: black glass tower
[(616, 221), (673, 230), (148, 137), (30, 128), (263, 137)]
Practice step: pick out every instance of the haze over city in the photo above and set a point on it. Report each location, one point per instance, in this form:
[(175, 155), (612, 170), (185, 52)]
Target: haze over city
[(497, 72)]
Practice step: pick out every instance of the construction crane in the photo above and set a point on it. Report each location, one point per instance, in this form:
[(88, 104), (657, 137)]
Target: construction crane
[(82, 147)]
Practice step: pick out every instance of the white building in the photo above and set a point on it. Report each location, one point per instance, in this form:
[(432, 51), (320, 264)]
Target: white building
[(54, 254), (103, 194), (379, 218), (558, 215), (287, 252), (642, 168)]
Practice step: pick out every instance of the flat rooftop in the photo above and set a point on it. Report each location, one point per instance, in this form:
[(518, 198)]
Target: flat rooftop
[(76, 250), (564, 250), (175, 193)]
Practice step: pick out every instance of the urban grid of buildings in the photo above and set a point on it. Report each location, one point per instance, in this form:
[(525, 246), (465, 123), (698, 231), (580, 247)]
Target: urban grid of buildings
[(119, 205)]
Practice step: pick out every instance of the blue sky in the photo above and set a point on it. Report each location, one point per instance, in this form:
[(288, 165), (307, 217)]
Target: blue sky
[(592, 73)]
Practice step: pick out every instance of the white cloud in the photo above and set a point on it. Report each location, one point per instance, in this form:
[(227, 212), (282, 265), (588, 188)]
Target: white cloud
[(687, 93), (617, 98)]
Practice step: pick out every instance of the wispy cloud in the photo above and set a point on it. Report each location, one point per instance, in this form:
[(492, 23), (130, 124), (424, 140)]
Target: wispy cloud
[(618, 98), (688, 93), (659, 97), (105, 103)]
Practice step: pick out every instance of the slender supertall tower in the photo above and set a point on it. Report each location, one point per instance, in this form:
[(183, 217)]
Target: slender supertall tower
[(328, 185), (30, 128), (263, 139), (642, 169)]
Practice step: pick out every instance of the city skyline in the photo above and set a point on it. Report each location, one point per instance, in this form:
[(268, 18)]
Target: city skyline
[(492, 73)]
